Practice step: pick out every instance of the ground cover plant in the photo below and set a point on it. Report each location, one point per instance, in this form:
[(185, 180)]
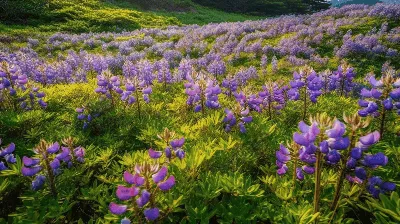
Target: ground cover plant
[(293, 119)]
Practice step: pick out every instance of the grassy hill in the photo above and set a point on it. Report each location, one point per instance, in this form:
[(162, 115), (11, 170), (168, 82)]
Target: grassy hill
[(97, 16)]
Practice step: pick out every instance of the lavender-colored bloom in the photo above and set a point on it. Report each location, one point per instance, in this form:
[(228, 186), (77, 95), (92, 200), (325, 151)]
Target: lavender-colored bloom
[(299, 173), (356, 153), (53, 148), (143, 199), (154, 154), (55, 164), (3, 166), (134, 179), (126, 193), (333, 157), (151, 213), (117, 209), (7, 150), (30, 171), (378, 159), (125, 221), (361, 173), (167, 184), (177, 143), (370, 139), (160, 175), (38, 182), (308, 169)]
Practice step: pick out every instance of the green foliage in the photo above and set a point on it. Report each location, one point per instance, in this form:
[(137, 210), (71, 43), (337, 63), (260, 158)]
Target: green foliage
[(387, 209)]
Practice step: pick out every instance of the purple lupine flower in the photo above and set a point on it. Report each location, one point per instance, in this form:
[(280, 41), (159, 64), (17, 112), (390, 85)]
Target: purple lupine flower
[(117, 209), (341, 80), (126, 193), (143, 199), (167, 184), (125, 221), (282, 157), (273, 99), (38, 182), (230, 84), (382, 98), (238, 118), (160, 175), (30, 171), (134, 179), (154, 154), (378, 159), (151, 213), (376, 186)]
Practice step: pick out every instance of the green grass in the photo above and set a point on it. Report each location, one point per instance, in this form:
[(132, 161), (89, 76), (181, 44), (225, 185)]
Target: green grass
[(203, 15), (96, 16)]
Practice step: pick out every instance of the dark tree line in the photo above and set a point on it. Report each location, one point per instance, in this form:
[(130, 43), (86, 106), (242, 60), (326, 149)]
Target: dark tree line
[(267, 7)]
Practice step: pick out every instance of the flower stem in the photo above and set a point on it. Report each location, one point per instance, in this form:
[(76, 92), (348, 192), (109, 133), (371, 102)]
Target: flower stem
[(382, 125), (305, 104), (137, 103), (50, 174), (294, 172), (317, 189)]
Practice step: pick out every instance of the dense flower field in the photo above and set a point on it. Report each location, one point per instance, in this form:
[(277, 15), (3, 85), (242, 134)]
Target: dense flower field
[(293, 119)]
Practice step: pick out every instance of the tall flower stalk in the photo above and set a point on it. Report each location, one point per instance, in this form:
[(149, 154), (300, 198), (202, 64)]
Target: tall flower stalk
[(48, 163), (305, 86), (382, 99)]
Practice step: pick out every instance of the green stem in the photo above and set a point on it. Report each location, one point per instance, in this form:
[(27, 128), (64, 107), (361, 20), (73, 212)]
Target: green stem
[(294, 172), (138, 103), (305, 103), (382, 125), (50, 175), (317, 189)]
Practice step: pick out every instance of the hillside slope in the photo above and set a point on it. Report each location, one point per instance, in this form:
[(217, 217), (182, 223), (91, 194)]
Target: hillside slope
[(98, 16)]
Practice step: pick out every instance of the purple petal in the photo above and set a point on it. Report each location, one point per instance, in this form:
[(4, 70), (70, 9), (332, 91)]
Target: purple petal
[(53, 148), (247, 119), (337, 130), (177, 143), (304, 128), (117, 209), (151, 213), (370, 139), (160, 175), (388, 186), (281, 171), (308, 169), (378, 159), (126, 193), (167, 184), (143, 199), (55, 164), (300, 139), (125, 221), (154, 154), (29, 161), (282, 157), (299, 174), (284, 150), (356, 153), (339, 143), (8, 150), (133, 179), (361, 173), (30, 171)]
